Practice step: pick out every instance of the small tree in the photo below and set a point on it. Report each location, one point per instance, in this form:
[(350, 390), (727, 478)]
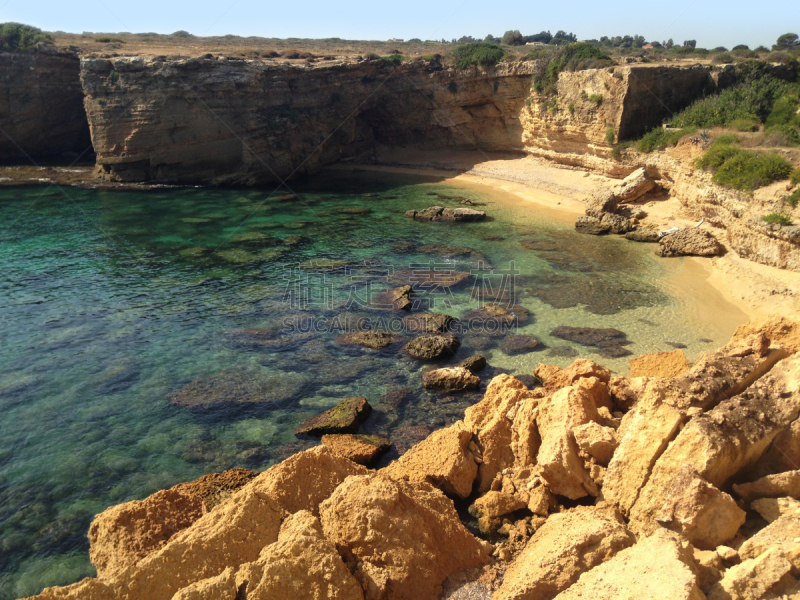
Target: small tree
[(787, 41), (512, 38), (669, 43), (15, 36), (690, 44)]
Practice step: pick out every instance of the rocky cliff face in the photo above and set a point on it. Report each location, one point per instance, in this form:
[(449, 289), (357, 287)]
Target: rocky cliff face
[(41, 105), (204, 120), (596, 108)]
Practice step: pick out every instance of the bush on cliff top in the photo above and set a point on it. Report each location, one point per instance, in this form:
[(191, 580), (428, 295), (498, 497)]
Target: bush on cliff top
[(572, 57), (478, 53), (659, 138), (753, 99), (15, 36)]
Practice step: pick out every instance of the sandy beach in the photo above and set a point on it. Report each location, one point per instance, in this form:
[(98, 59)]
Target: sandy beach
[(726, 290)]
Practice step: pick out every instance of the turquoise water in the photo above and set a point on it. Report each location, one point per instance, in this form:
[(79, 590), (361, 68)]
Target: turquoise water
[(114, 302)]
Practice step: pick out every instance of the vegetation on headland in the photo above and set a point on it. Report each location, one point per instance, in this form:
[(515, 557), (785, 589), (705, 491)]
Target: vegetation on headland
[(777, 219), (482, 54), (15, 36), (572, 57)]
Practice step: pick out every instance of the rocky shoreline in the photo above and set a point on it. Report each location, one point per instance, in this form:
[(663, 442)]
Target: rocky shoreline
[(676, 482)]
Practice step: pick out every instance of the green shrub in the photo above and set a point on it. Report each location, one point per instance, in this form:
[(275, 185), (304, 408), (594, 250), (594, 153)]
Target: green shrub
[(15, 36), (794, 198), (783, 135), (108, 40), (367, 56), (113, 77), (748, 170), (753, 99), (794, 176), (610, 134), (778, 218), (716, 155), (478, 53), (452, 87), (742, 124), (722, 57), (572, 57), (659, 138), (784, 111), (394, 59), (595, 98), (726, 140), (571, 107)]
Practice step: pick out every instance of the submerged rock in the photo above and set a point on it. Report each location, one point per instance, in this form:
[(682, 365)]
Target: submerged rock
[(238, 386), (609, 341), (474, 364), (428, 323), (370, 339), (398, 298), (519, 344), (343, 418), (433, 347), (439, 213), (426, 278)]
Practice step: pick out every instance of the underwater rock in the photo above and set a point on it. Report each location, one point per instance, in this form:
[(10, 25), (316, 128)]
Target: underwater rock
[(428, 323), (591, 336), (354, 211), (398, 298), (427, 277), (498, 316), (474, 363), (370, 339), (439, 213), (518, 344), (238, 386), (343, 418), (450, 379), (405, 437), (432, 347)]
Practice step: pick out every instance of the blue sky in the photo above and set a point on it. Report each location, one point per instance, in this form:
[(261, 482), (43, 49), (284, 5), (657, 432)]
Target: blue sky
[(711, 23)]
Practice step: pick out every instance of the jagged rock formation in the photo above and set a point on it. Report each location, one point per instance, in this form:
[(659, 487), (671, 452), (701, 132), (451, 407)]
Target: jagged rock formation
[(672, 469), (41, 106)]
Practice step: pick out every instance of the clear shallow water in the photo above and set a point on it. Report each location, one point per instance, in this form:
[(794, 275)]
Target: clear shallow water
[(114, 301)]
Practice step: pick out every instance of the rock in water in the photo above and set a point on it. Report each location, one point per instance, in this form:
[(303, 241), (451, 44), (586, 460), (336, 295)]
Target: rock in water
[(474, 363), (428, 323), (519, 344), (439, 213), (398, 298), (450, 379), (591, 225), (361, 449), (432, 347), (690, 242), (370, 339), (343, 418), (591, 336)]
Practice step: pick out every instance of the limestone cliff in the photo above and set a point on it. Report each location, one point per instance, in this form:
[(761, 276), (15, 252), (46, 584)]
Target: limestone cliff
[(226, 121), (596, 108), (41, 105)]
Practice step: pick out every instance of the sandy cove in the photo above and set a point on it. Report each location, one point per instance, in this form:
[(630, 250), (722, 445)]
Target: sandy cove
[(726, 289)]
